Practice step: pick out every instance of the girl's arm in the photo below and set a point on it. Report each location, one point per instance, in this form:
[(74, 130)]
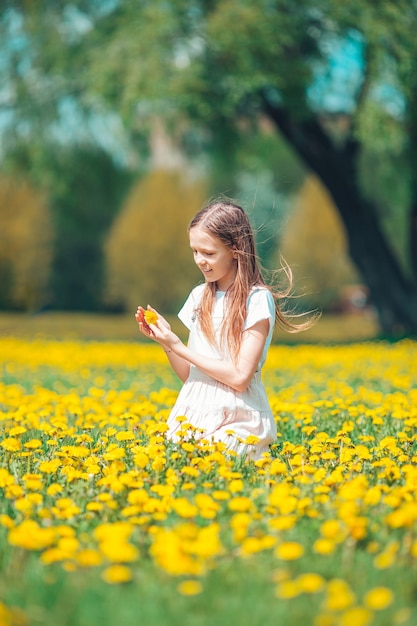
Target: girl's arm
[(236, 375), (180, 366)]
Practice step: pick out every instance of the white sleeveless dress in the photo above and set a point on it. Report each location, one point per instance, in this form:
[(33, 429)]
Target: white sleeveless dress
[(222, 413)]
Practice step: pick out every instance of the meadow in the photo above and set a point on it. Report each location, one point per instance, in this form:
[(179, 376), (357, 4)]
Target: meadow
[(102, 521)]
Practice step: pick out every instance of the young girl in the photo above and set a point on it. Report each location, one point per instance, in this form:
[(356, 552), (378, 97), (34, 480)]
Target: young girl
[(231, 320)]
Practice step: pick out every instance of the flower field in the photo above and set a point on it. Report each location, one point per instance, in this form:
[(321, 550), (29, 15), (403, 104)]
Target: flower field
[(104, 522)]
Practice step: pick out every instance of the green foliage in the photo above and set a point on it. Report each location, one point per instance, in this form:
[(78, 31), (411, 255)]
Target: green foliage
[(314, 244), (147, 251), (219, 63), (84, 206), (84, 188), (25, 245)]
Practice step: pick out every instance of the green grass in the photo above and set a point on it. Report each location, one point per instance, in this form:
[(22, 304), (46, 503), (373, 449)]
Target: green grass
[(57, 325), (366, 389)]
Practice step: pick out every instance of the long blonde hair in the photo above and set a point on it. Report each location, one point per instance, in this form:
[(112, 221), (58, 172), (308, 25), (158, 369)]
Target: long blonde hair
[(230, 224)]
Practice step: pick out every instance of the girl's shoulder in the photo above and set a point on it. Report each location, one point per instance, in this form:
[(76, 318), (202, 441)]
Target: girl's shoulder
[(260, 306), (187, 313), (197, 292), (261, 298), (260, 293), (260, 288), (194, 298)]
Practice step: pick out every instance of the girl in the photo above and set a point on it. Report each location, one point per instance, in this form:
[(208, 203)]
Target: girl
[(231, 320)]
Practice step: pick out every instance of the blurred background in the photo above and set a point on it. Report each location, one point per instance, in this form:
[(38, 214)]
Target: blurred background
[(119, 119)]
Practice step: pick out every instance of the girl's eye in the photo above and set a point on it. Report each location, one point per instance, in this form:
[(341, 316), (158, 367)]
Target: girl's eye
[(203, 253)]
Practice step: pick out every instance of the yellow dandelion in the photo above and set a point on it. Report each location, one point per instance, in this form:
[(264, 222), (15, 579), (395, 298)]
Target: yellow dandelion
[(116, 574), (236, 485), (357, 615), (190, 588), (184, 508), (88, 557), (240, 503), (251, 440), (378, 598), (6, 521), (310, 582), (150, 317), (11, 444), (17, 430), (323, 546), (287, 589), (53, 489), (33, 444), (339, 595), (384, 560), (220, 494), (125, 436), (289, 551)]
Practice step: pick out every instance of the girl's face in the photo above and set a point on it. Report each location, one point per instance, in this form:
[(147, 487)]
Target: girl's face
[(215, 260)]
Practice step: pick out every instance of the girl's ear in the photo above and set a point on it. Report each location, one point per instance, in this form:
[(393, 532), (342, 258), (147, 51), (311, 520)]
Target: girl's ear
[(235, 255)]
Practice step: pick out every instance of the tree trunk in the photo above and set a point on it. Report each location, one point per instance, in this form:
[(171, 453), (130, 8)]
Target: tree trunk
[(413, 240), (393, 294), (412, 142)]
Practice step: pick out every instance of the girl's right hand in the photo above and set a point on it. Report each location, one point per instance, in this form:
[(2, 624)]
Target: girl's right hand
[(160, 330)]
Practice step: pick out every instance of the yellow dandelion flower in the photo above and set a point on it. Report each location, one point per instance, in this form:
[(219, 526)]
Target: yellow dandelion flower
[(236, 485), (49, 467), (324, 546), (5, 477), (33, 444), (116, 574), (220, 494), (125, 435), (339, 595), (240, 503), (53, 489), (190, 588), (287, 589), (378, 598), (277, 467), (251, 440), (357, 615), (118, 551), (150, 317), (141, 459), (184, 508), (30, 536), (17, 430), (310, 582), (33, 482), (289, 551), (284, 522), (11, 444), (88, 558), (6, 521), (94, 506), (384, 560)]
